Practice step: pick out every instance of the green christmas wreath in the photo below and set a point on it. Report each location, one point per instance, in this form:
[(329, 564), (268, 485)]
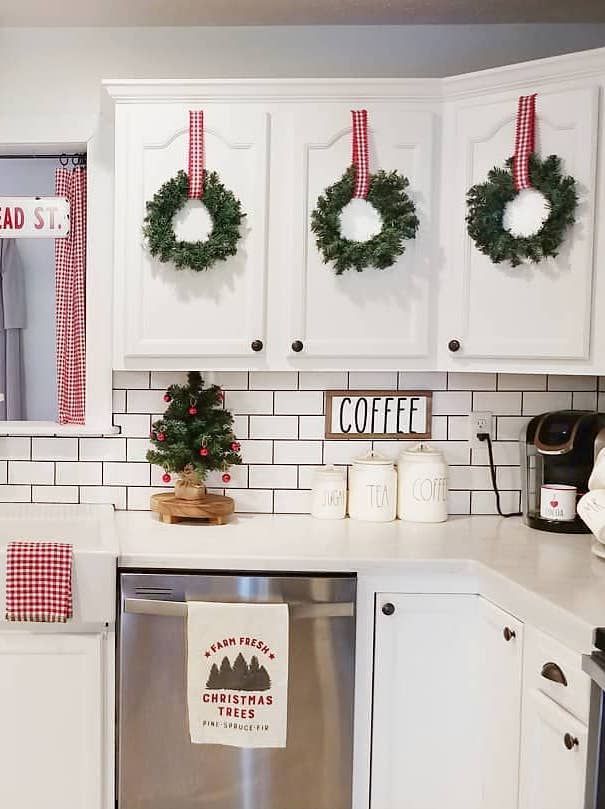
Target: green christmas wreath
[(397, 211), (486, 207), (224, 208)]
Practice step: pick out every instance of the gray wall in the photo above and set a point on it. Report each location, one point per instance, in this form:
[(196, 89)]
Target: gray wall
[(33, 178), (45, 69)]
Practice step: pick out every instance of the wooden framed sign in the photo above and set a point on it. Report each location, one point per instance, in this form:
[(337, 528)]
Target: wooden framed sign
[(402, 414), (34, 217)]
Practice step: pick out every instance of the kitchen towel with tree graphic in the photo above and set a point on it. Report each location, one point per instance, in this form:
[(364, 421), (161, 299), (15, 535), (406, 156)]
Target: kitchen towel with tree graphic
[(237, 673)]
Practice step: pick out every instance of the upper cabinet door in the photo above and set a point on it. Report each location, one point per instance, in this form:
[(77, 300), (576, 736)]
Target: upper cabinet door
[(534, 311), (162, 312), (374, 314)]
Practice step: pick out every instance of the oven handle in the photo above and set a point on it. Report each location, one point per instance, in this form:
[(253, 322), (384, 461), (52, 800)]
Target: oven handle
[(178, 609)]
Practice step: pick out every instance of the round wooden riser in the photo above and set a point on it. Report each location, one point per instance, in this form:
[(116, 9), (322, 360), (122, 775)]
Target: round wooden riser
[(213, 508)]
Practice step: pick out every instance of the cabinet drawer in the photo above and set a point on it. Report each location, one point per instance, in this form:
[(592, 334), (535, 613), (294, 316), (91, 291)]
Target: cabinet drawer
[(556, 671)]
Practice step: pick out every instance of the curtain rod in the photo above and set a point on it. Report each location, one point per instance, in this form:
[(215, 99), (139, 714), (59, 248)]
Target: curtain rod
[(71, 156)]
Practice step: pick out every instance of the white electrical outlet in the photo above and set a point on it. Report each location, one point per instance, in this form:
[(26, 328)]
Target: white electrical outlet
[(480, 421)]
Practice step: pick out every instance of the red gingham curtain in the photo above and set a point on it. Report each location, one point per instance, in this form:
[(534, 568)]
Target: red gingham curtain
[(70, 285)]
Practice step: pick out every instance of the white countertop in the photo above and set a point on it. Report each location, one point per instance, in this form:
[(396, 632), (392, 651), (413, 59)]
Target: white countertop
[(550, 580)]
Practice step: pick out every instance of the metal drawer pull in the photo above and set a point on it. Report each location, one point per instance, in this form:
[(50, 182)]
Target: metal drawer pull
[(178, 609), (551, 671), (509, 634), (570, 741)]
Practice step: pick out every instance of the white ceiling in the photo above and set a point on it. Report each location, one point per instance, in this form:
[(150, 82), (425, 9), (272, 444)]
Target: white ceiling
[(61, 13)]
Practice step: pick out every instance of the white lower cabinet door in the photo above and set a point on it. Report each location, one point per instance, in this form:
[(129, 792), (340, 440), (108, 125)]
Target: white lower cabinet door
[(51, 726), (425, 746), (501, 673), (553, 756)]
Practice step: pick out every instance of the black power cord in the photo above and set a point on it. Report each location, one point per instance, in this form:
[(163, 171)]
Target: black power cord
[(492, 468)]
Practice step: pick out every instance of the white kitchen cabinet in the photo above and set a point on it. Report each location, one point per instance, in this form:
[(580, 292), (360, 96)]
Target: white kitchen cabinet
[(553, 758), (425, 746), (167, 316), (533, 314), (375, 314), (447, 702), (52, 744), (500, 639)]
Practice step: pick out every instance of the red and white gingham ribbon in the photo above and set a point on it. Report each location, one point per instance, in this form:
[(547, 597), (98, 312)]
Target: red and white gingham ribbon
[(196, 154), (525, 141), (360, 158)]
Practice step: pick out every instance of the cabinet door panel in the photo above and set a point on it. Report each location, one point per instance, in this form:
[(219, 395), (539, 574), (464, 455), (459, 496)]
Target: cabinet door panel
[(51, 708), (374, 313), (425, 744), (163, 311), (501, 667), (552, 777), (534, 310)]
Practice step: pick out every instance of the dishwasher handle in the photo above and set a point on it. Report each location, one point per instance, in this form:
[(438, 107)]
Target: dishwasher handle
[(178, 609)]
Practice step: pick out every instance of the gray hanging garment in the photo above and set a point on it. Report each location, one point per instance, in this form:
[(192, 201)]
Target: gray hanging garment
[(12, 320)]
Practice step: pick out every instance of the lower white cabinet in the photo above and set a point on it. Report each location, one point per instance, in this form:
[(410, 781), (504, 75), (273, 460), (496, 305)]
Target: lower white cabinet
[(447, 696), (553, 764), (52, 714)]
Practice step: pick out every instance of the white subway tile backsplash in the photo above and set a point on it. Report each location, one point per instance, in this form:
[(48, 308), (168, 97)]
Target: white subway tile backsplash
[(471, 381), (385, 380), (279, 423), (522, 382), (55, 494), (535, 403), (30, 472), (145, 401), (130, 379), (570, 382), (273, 427), (102, 449), (323, 380), (452, 403), (273, 380), (422, 380), (16, 494), (15, 448), (505, 403), (273, 477), (126, 474), (292, 502), (302, 403), (257, 402), (297, 452), (312, 427), (114, 495), (133, 424), (78, 474), (257, 451), (54, 449)]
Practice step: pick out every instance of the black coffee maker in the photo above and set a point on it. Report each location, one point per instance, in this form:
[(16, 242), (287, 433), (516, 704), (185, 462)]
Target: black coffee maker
[(558, 449)]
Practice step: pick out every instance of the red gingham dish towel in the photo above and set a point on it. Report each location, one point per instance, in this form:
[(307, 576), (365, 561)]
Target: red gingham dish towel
[(38, 582)]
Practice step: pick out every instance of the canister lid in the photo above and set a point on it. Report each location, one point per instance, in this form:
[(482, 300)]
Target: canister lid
[(329, 473), (421, 453), (372, 459)]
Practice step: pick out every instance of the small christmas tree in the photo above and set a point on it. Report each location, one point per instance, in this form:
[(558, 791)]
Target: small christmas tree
[(195, 434)]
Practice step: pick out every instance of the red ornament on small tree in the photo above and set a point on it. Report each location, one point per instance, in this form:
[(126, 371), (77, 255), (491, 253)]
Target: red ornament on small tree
[(226, 478)]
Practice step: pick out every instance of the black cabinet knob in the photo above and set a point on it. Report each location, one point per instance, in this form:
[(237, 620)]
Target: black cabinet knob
[(454, 345), (257, 345), (570, 741), (297, 346), (388, 608), (509, 633)]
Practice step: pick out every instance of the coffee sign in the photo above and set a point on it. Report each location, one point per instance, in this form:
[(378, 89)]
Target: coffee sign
[(34, 217), (378, 414)]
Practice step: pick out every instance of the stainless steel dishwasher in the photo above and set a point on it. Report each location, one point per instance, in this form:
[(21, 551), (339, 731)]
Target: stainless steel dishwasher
[(158, 767)]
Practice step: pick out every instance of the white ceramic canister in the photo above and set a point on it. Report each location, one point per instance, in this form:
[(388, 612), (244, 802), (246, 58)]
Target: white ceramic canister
[(422, 486), (373, 489), (329, 493)]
